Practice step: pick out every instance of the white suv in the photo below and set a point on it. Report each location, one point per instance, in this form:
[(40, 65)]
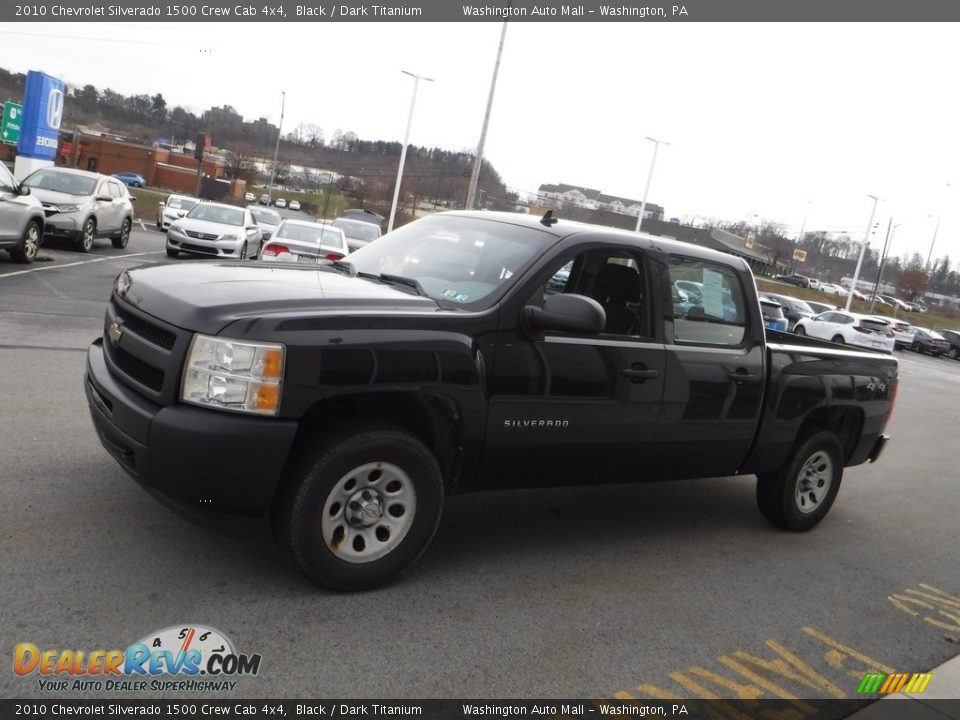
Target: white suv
[(83, 205), (21, 219), (845, 328)]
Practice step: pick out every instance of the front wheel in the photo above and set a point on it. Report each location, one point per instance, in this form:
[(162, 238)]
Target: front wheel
[(952, 353), (120, 241), (173, 253), (362, 507), (87, 234), (799, 495), (799, 330), (29, 246), (917, 348), (838, 339)]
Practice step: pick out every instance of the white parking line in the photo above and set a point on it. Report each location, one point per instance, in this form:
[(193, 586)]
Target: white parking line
[(81, 262)]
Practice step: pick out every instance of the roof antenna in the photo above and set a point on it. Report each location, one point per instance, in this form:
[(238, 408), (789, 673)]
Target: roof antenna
[(548, 219)]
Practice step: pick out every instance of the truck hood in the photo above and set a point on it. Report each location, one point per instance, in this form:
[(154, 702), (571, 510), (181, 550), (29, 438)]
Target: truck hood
[(206, 297)]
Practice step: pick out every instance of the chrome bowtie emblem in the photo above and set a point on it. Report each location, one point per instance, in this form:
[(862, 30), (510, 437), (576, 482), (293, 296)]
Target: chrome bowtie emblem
[(114, 332)]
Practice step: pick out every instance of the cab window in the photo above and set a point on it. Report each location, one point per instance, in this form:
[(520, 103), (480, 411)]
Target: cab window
[(718, 316)]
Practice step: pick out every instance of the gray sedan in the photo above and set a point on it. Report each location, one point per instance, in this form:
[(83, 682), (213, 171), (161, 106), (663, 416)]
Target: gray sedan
[(214, 230)]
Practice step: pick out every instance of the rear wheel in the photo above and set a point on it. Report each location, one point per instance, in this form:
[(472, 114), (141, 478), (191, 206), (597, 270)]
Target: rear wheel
[(362, 508), (29, 245), (799, 330), (120, 241), (87, 234), (838, 339), (952, 352), (800, 494)]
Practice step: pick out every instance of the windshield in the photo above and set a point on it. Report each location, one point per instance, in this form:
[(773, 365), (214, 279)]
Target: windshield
[(217, 214), (181, 203), (318, 234), (266, 217), (801, 306), (358, 229), (459, 260), (62, 182)]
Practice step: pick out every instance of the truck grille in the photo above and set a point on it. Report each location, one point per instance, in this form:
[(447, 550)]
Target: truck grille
[(148, 353)]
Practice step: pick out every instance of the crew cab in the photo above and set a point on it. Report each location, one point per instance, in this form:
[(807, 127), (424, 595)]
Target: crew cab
[(340, 403)]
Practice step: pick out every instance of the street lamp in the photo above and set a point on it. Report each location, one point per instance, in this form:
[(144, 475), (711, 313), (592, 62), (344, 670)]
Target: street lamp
[(403, 151), (276, 149), (478, 160), (891, 232), (863, 251), (936, 229), (653, 161)]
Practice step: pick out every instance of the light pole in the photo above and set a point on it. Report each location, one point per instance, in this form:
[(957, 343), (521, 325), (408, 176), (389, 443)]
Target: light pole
[(803, 224), (276, 149), (863, 251), (891, 232), (478, 160), (936, 229), (403, 151), (646, 191)]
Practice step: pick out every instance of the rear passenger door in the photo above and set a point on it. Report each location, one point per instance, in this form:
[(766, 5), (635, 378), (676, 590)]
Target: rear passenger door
[(573, 408), (715, 373)]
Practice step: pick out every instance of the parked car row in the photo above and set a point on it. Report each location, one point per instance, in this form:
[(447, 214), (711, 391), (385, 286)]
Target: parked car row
[(818, 320)]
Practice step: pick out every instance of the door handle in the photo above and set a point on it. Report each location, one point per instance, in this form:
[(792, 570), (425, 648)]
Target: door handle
[(741, 377), (638, 372)]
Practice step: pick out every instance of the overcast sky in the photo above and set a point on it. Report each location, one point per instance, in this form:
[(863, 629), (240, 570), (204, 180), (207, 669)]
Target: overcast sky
[(772, 120)]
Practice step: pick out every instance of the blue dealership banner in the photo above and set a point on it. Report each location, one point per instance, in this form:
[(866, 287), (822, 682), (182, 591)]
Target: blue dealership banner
[(42, 112)]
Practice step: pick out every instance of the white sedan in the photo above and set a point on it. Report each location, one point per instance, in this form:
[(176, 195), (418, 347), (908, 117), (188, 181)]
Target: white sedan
[(832, 289), (294, 205), (845, 328)]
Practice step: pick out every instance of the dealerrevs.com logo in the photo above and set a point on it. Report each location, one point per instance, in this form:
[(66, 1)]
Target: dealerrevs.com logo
[(179, 658)]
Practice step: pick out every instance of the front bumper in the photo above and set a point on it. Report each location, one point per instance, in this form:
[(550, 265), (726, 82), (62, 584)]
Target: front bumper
[(219, 469), (62, 225), (177, 240)]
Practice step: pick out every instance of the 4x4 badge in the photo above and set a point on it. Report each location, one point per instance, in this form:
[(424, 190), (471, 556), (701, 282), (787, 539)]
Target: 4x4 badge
[(115, 331)]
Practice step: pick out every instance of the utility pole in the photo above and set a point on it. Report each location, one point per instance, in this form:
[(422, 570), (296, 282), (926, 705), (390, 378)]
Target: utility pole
[(478, 160), (276, 149), (646, 191), (863, 251)]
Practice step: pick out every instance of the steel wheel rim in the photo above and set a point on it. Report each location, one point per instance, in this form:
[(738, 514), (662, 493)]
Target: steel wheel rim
[(814, 482), (31, 242), (368, 512), (88, 230)]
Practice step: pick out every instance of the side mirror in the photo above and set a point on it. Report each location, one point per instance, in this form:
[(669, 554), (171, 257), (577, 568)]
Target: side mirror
[(23, 190), (565, 313), (132, 198), (162, 204)]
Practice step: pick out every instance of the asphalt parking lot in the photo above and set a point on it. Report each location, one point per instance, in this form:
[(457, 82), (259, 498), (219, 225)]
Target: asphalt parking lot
[(639, 591)]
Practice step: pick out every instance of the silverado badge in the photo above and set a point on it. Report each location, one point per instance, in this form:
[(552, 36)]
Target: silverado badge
[(115, 331)]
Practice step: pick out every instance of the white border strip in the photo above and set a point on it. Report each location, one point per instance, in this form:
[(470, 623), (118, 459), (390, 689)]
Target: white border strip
[(81, 262)]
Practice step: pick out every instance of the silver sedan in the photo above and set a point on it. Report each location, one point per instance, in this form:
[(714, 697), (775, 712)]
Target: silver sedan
[(214, 230)]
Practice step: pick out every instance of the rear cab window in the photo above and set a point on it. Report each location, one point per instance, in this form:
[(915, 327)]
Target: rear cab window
[(718, 317)]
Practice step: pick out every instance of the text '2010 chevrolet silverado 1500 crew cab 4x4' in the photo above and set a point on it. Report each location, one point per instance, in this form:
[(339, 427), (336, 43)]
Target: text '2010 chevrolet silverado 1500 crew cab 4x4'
[(341, 403)]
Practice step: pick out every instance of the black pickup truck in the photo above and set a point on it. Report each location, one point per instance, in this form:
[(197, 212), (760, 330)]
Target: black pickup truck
[(340, 403)]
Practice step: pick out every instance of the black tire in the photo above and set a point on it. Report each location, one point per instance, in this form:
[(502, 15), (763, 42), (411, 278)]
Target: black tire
[(799, 330), (243, 251), (952, 353), (325, 484), (173, 253), (120, 241), (817, 460), (87, 234), (29, 245), (838, 339), (916, 348)]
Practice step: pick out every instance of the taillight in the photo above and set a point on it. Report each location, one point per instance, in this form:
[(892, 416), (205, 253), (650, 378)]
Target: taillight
[(274, 249), (334, 256), (894, 386)]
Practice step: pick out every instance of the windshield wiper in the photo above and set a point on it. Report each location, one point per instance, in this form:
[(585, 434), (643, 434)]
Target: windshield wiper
[(340, 266), (403, 282)]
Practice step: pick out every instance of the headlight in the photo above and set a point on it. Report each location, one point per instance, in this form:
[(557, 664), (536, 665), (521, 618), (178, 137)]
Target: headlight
[(233, 375), (67, 208), (231, 236)]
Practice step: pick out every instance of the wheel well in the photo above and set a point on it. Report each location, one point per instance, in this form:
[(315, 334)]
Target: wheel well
[(433, 419), (845, 422), (38, 220)]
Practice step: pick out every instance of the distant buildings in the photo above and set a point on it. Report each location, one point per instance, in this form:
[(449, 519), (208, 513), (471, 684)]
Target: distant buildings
[(562, 195)]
